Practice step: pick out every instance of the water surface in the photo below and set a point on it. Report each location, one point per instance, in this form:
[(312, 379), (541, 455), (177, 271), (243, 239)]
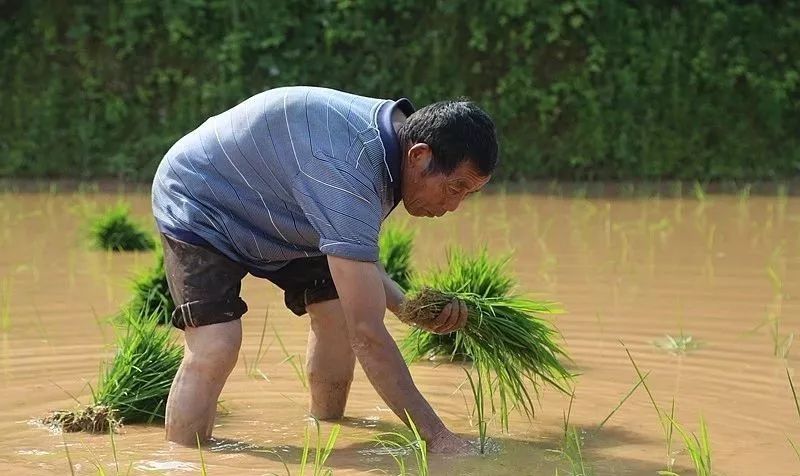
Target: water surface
[(725, 271)]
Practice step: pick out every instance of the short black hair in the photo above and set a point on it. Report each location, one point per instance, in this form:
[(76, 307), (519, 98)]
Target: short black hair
[(456, 130)]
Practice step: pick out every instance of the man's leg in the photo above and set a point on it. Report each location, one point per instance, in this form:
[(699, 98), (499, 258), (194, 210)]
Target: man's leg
[(210, 353), (205, 286), (329, 360)]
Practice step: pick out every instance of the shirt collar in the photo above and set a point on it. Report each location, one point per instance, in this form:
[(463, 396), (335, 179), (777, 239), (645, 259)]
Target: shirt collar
[(391, 142)]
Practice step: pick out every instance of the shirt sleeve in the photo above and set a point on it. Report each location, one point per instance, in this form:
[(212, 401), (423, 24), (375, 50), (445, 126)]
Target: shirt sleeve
[(343, 207)]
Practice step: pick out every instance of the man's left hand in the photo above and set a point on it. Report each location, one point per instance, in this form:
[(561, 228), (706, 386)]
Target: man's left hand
[(452, 318)]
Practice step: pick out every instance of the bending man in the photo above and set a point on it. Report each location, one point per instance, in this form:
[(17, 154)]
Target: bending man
[(292, 186)]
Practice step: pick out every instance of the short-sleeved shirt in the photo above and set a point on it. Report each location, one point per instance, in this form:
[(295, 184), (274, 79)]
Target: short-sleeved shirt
[(289, 173)]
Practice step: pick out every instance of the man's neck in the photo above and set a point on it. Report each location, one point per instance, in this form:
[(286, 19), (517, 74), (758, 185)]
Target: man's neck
[(398, 119)]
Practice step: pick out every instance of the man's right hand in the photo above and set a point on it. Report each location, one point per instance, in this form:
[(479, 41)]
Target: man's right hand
[(448, 442)]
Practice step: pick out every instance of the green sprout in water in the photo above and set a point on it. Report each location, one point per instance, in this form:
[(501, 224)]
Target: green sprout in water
[(116, 231), (395, 245), (667, 421), (252, 367), (293, 360), (678, 345), (699, 192), (478, 393), (321, 453), (572, 447), (698, 447), (399, 444)]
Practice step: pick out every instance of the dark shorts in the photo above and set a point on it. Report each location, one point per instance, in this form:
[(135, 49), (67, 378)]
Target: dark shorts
[(205, 284)]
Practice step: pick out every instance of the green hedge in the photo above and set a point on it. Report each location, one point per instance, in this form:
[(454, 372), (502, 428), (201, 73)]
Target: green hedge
[(580, 89)]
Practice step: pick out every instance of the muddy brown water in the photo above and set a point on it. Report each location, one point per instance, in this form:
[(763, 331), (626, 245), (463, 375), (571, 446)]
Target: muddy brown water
[(725, 271)]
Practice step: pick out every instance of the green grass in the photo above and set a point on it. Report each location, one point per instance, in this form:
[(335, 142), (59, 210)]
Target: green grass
[(622, 402), (321, 453), (293, 360), (666, 421), (151, 297), (100, 467), (252, 366), (571, 451), (698, 447), (114, 230), (781, 343), (395, 244), (134, 386), (504, 336)]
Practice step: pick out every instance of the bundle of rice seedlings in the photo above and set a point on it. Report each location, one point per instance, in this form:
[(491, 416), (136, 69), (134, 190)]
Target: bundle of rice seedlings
[(395, 244), (114, 230), (505, 336), (478, 275), (151, 297), (134, 387)]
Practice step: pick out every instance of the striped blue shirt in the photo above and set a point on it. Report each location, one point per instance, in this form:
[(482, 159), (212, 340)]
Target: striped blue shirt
[(289, 173)]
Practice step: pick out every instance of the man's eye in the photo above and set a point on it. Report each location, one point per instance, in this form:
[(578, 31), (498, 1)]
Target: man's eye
[(453, 190)]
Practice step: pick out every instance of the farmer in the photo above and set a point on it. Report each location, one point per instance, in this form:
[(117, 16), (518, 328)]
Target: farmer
[(292, 185)]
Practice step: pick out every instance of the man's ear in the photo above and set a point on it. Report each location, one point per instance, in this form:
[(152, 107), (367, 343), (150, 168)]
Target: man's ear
[(420, 156)]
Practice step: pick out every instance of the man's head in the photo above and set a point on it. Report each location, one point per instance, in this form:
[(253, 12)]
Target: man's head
[(449, 152)]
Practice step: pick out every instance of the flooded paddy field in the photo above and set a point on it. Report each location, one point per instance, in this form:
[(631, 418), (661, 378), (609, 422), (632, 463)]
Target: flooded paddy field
[(701, 292)]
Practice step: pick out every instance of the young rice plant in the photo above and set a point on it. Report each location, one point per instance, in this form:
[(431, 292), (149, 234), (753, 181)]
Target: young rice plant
[(395, 244), (151, 297), (114, 230), (504, 336), (133, 388)]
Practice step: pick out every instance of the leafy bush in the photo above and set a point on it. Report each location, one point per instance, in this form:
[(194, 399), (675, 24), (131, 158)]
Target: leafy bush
[(580, 89)]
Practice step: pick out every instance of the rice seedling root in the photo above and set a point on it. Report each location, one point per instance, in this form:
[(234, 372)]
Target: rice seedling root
[(425, 306), (91, 419)]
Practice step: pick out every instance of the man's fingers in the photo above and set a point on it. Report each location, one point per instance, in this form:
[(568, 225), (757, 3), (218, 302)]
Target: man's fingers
[(450, 320), (459, 316), (440, 320), (453, 317), (463, 315)]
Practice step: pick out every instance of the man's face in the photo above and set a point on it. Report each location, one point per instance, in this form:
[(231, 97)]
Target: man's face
[(428, 194)]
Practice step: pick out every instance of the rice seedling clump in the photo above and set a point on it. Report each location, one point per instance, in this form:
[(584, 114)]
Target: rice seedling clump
[(505, 335), (151, 297), (134, 387), (114, 230), (395, 245)]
